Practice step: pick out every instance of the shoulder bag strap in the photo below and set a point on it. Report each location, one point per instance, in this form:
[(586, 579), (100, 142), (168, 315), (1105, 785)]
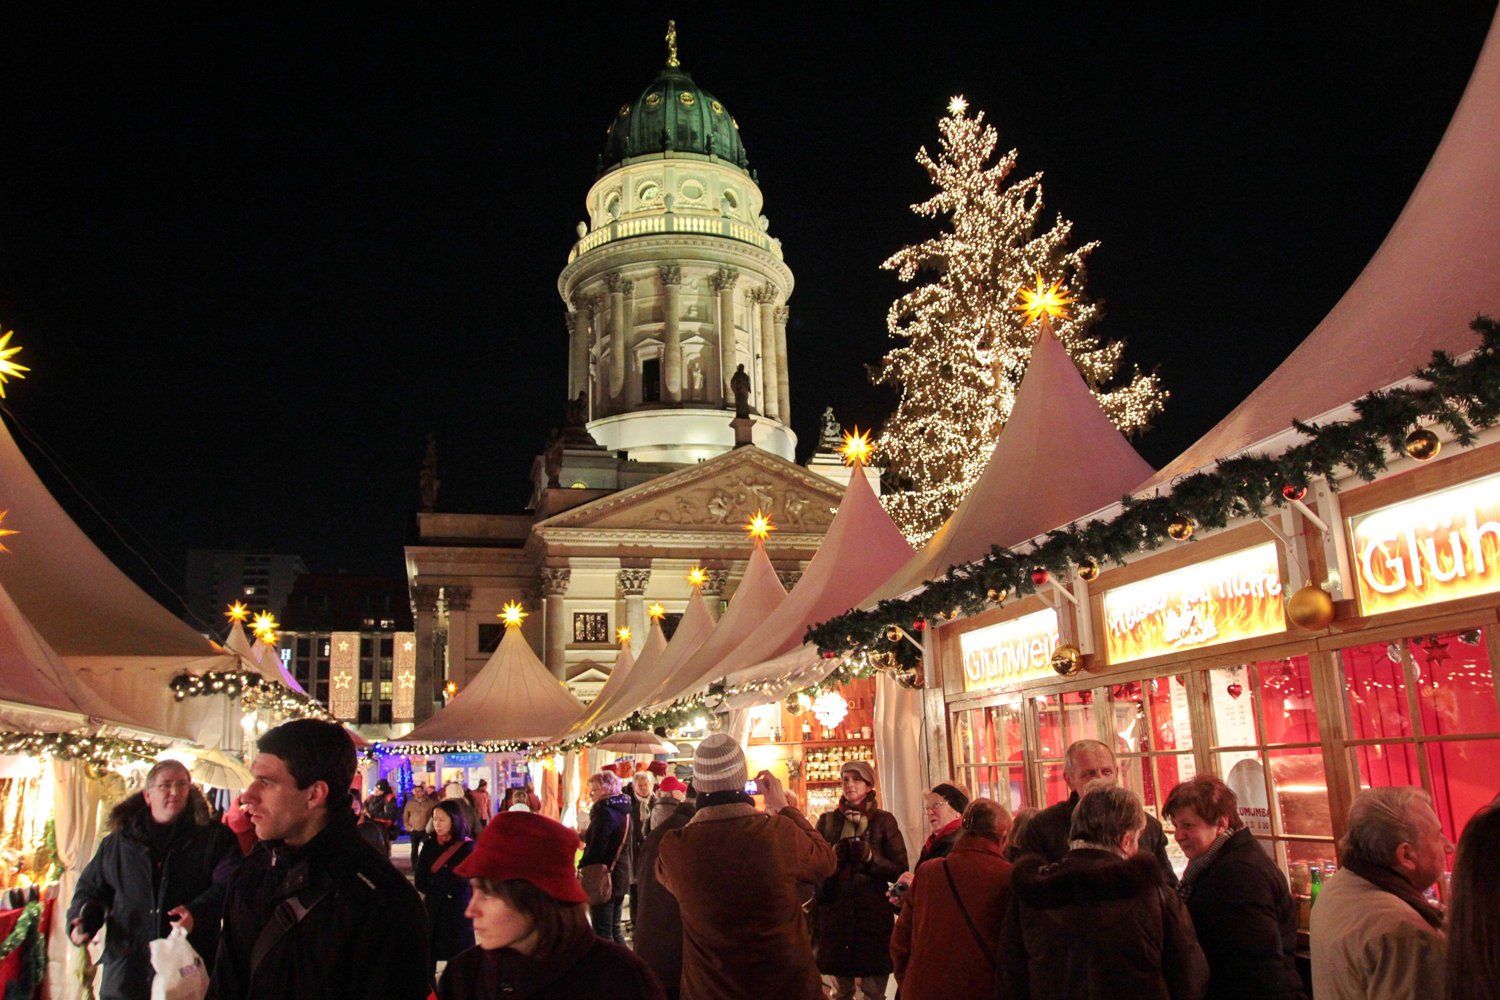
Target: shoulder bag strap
[(624, 838), (978, 938), (446, 856), (286, 916)]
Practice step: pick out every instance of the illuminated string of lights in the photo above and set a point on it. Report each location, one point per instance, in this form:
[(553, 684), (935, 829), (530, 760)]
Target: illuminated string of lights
[(253, 690), (100, 751), (396, 748), (1461, 396), (962, 345)]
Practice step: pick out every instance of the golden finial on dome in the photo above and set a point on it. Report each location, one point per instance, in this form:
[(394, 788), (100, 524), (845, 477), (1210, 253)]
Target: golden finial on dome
[(672, 45)]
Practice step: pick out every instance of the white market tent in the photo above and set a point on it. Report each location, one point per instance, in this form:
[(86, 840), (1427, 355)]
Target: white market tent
[(513, 697), (1059, 458), (1436, 270), (38, 693), (614, 704), (759, 594)]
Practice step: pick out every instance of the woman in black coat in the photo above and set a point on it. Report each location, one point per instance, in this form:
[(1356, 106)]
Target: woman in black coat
[(604, 843), (445, 893), (1242, 909)]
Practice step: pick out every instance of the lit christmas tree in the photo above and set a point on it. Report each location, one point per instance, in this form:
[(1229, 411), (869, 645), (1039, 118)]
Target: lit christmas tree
[(964, 346)]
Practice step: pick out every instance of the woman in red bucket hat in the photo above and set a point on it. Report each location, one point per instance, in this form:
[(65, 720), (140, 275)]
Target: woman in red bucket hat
[(532, 931)]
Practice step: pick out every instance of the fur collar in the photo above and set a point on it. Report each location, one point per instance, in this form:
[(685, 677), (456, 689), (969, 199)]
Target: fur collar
[(131, 815), (1084, 876)]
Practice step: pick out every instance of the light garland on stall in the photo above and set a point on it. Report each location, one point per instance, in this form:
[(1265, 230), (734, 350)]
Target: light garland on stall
[(1461, 396), (100, 751), (253, 690), (398, 749)]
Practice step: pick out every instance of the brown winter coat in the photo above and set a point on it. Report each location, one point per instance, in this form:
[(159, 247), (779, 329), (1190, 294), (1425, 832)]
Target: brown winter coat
[(935, 953), (1096, 926), (657, 921), (851, 918), (734, 872)]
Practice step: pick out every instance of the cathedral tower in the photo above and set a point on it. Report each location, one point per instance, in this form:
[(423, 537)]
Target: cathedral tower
[(675, 283)]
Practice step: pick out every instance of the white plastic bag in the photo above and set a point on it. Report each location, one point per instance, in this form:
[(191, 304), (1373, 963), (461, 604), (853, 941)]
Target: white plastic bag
[(180, 973)]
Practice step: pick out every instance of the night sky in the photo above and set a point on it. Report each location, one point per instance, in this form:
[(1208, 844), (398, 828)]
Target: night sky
[(254, 258)]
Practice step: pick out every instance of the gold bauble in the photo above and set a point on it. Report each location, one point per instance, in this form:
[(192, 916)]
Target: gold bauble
[(1088, 570), (1181, 528), (1310, 608), (893, 633), (1422, 444), (997, 594), (910, 678), (1067, 660)]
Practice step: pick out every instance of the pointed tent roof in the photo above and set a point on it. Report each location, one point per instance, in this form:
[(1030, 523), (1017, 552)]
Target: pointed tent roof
[(863, 544), (512, 698), (1438, 267), (37, 690), (1057, 459), (69, 590), (625, 661), (650, 670), (269, 664), (759, 594)]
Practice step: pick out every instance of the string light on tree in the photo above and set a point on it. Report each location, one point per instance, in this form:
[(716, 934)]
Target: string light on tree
[(9, 368), (962, 347)]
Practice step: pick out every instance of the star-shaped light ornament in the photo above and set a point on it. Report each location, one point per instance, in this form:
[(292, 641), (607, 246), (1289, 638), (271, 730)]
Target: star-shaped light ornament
[(265, 624), (237, 612), (511, 614), (656, 611), (622, 634), (697, 576), (5, 531), (857, 447), (957, 105), (1043, 301), (759, 527), (9, 368)]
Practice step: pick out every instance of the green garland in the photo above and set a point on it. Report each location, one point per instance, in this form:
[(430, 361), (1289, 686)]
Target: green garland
[(27, 932), (1463, 397), (99, 750), (252, 689)]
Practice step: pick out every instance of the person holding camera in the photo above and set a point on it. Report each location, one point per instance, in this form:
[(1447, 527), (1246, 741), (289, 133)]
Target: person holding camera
[(852, 921)]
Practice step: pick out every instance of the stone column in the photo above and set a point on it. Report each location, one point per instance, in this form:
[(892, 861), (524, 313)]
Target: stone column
[(633, 582), (723, 283), (554, 582), (713, 588), (456, 607), (783, 379), (766, 342), (578, 346), (429, 680), (617, 287), (599, 391), (671, 365)]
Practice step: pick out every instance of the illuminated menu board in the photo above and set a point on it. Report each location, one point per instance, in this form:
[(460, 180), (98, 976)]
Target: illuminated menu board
[(1438, 547), (1011, 653), (1238, 596)]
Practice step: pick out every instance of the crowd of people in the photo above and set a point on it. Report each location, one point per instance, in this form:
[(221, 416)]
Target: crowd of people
[(734, 893)]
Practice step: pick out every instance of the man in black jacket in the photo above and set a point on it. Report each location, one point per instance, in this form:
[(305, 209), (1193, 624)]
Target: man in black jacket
[(1087, 761), (316, 912), (166, 862)]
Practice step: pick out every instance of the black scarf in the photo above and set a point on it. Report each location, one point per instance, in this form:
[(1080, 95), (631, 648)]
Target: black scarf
[(1389, 880), (723, 798)]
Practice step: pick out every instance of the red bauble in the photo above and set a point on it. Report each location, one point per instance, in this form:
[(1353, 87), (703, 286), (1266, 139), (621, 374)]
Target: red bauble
[(1235, 689), (829, 654), (1040, 576), (1293, 492), (920, 625), (1086, 696)]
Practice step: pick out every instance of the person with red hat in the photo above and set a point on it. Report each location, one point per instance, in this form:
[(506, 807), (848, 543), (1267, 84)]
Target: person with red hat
[(530, 924)]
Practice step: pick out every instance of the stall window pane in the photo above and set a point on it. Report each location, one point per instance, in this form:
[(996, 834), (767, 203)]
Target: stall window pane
[(1171, 728), (1005, 721), (1300, 787), (1051, 740), (1286, 700), (1128, 719), (1079, 721), (1233, 708), (965, 752), (1384, 765), (1015, 797), (1455, 686), (1463, 780), (1376, 691), (1171, 771), (1054, 789)]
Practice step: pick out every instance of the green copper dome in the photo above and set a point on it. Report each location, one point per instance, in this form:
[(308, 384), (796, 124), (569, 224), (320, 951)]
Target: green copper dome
[(674, 115)]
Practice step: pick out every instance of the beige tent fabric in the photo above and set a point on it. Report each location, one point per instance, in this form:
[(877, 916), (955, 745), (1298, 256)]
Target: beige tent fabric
[(140, 687), (862, 545), (1058, 459), (1438, 267), (69, 590), (759, 594), (38, 693), (513, 698), (75, 804), (901, 758)]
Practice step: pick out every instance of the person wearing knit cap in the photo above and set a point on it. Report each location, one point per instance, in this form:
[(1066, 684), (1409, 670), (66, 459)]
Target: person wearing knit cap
[(530, 925), (945, 804), (851, 919), (735, 872)]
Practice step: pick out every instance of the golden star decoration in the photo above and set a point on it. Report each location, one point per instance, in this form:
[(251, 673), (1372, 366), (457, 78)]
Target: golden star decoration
[(5, 531), (656, 611), (407, 646), (697, 576), (9, 368), (511, 614), (1043, 301), (237, 612), (265, 624), (957, 105), (857, 447), (342, 682), (759, 527), (622, 634)]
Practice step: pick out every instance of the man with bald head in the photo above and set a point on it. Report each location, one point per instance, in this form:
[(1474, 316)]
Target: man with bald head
[(1086, 762)]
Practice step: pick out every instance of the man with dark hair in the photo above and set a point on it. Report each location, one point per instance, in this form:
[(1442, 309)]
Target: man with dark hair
[(165, 863), (1086, 762), (316, 912)]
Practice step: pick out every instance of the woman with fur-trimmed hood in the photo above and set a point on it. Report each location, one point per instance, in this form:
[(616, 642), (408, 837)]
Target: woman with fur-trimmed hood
[(164, 863), (1101, 923)]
